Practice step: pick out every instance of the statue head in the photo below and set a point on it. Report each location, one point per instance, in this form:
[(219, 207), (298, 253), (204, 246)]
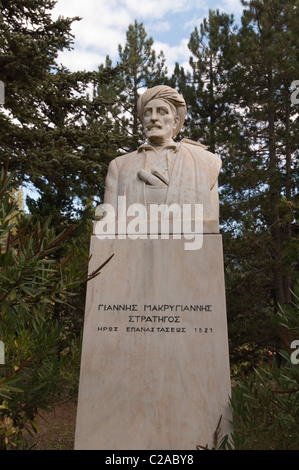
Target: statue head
[(162, 110)]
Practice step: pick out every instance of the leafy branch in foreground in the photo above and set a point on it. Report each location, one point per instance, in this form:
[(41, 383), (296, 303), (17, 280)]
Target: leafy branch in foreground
[(265, 404), (39, 348), (268, 403)]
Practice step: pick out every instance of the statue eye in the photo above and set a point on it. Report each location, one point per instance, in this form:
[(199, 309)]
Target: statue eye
[(147, 112), (163, 111)]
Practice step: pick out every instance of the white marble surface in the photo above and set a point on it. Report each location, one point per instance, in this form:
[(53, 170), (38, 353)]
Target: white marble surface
[(164, 387)]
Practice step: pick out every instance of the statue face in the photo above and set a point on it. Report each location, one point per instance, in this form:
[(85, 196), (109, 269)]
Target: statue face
[(159, 121)]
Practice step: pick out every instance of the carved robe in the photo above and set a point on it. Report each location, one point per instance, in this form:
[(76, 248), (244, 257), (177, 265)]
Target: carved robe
[(193, 178)]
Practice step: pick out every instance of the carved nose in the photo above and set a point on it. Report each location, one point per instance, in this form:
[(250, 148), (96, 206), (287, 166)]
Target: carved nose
[(154, 116)]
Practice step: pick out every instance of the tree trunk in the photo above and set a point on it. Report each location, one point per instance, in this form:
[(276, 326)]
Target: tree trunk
[(288, 189), (274, 187)]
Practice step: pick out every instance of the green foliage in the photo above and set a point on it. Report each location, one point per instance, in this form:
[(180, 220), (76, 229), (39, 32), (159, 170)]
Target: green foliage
[(220, 442), (212, 47), (41, 352), (44, 125), (240, 106), (266, 403)]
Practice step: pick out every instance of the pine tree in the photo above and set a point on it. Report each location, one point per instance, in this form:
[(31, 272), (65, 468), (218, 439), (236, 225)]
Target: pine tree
[(43, 127), (29, 44), (104, 115), (260, 192), (212, 47), (239, 104), (268, 42)]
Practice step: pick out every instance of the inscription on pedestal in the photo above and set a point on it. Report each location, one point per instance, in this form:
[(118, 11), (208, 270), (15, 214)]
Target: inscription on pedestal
[(153, 323)]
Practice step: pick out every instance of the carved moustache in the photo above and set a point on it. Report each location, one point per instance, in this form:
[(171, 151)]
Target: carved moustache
[(150, 126)]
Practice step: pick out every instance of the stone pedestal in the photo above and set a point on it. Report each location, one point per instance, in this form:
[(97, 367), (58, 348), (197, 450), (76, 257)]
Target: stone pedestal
[(155, 364)]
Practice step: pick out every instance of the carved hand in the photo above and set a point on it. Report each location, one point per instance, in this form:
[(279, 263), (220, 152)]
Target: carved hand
[(153, 178)]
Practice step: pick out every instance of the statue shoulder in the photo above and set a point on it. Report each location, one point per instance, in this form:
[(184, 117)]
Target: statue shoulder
[(122, 159), (214, 162), (200, 149), (193, 142)]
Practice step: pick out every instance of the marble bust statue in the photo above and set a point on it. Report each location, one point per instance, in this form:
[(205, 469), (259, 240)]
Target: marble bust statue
[(162, 171)]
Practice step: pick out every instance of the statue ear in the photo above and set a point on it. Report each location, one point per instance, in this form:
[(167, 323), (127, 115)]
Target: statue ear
[(176, 120), (175, 123)]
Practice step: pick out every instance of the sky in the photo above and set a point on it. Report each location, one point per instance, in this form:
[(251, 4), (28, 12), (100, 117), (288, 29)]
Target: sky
[(104, 24)]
